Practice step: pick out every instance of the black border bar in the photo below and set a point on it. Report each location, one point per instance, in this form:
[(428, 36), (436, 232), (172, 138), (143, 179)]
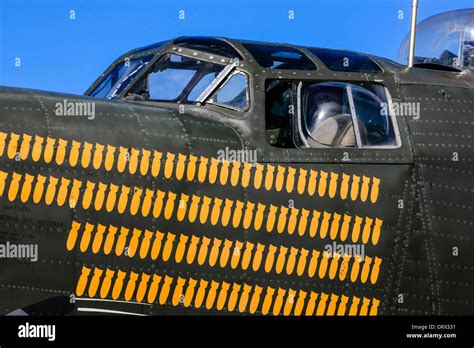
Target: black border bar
[(239, 329)]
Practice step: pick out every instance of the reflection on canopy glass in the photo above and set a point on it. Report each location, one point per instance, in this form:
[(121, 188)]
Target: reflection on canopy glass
[(446, 38), (345, 61), (280, 57), (120, 77), (327, 116), (233, 93), (338, 114)]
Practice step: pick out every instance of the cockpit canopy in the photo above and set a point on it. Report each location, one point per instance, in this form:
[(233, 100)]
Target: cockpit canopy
[(446, 39), (191, 71), (181, 70)]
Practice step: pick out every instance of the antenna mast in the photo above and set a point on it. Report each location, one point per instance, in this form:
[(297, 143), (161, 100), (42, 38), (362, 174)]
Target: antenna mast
[(414, 11)]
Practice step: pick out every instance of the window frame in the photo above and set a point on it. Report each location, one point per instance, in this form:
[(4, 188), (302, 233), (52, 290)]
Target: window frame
[(355, 119), (181, 51), (125, 62), (175, 101)]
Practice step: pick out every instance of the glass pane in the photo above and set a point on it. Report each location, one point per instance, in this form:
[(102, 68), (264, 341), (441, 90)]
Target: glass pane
[(280, 57), (446, 38), (326, 116), (177, 78), (108, 82), (120, 77), (278, 113), (345, 61), (201, 86), (168, 84), (374, 125), (233, 93), (210, 45)]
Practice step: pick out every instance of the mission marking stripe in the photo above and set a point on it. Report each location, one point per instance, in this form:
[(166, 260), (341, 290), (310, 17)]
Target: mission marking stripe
[(330, 222), (230, 254), (183, 292), (144, 161)]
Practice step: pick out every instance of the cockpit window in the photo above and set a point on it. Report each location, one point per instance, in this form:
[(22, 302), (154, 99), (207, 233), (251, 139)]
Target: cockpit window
[(176, 78), (335, 114), (329, 114), (279, 108), (120, 76), (205, 81), (233, 94), (326, 116), (209, 45), (279, 57), (374, 127), (345, 61)]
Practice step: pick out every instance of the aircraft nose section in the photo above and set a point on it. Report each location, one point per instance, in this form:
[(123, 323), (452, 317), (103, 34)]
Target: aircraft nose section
[(93, 124)]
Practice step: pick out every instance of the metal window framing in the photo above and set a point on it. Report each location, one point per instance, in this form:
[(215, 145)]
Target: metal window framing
[(247, 92), (217, 81), (299, 115), (355, 123)]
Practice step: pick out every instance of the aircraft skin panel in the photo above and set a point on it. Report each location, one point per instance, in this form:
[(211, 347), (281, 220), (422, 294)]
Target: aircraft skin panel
[(442, 147), (136, 210), (94, 203)]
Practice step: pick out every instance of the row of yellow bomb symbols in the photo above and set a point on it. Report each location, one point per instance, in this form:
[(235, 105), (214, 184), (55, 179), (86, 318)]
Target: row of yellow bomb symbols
[(297, 219), (241, 298), (228, 253), (212, 169)]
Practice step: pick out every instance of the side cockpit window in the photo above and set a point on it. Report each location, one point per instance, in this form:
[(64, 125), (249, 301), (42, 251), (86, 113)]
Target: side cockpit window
[(374, 124), (233, 93), (278, 110), (330, 114), (325, 117), (335, 114)]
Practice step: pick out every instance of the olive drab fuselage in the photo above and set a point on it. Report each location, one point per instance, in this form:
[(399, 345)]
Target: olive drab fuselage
[(135, 205)]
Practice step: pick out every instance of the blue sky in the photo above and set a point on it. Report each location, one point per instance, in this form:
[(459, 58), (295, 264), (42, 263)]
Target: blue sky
[(61, 54)]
